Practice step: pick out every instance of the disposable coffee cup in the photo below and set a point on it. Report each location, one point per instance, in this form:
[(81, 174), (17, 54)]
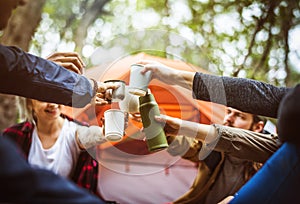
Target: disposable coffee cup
[(138, 83), (130, 103), (154, 132), (114, 124), (119, 93)]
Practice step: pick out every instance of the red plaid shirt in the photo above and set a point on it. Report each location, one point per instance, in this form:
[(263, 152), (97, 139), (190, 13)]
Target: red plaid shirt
[(86, 170)]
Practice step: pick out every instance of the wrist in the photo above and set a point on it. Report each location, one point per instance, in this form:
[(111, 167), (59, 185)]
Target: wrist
[(90, 136), (94, 84), (186, 79)]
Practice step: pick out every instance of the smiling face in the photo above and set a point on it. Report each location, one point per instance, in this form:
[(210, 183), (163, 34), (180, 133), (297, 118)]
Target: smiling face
[(44, 111), (6, 8)]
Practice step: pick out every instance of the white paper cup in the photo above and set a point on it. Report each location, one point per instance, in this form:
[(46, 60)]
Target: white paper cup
[(130, 103), (119, 93), (138, 83), (114, 124)]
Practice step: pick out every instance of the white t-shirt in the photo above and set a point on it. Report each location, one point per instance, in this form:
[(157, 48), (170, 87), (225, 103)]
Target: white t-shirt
[(62, 157)]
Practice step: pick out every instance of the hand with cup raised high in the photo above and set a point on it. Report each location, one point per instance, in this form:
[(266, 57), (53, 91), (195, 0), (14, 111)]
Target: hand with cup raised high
[(167, 74)]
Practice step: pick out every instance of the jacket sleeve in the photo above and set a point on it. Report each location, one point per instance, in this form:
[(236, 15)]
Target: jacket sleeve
[(183, 146), (26, 75), (245, 144), (240, 143), (244, 94)]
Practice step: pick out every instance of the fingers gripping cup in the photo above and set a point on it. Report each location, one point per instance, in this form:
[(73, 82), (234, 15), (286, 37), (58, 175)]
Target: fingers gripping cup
[(114, 124), (138, 83), (155, 135), (130, 103), (119, 93)]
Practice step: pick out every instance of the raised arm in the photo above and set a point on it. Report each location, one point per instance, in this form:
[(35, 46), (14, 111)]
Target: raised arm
[(167, 74), (244, 94), (30, 76), (237, 142), (26, 75)]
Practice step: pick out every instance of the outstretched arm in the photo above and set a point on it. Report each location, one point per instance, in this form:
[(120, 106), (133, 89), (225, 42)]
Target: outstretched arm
[(167, 74), (33, 77), (244, 94), (237, 142)]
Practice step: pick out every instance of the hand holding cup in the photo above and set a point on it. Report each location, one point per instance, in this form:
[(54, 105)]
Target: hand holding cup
[(104, 93), (138, 82), (117, 94)]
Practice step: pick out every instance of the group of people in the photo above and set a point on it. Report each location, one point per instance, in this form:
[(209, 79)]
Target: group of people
[(228, 155)]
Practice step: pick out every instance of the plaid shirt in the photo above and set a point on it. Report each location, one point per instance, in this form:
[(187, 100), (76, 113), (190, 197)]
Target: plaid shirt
[(86, 170)]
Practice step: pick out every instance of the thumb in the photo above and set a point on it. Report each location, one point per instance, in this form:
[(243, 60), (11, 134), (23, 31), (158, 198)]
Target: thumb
[(161, 118), (173, 122)]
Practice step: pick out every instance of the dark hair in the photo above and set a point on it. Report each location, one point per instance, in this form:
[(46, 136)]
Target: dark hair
[(289, 116), (257, 118)]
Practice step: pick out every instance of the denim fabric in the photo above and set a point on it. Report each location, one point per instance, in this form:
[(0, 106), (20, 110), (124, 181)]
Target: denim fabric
[(33, 77), (277, 182)]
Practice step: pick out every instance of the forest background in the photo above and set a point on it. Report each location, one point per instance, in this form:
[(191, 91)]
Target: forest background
[(256, 39)]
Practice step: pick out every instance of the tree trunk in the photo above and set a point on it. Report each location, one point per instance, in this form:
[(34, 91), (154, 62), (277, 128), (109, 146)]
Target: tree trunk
[(88, 18), (23, 24), (19, 32)]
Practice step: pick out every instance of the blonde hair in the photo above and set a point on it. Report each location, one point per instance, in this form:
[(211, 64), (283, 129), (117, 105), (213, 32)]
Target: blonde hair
[(25, 109)]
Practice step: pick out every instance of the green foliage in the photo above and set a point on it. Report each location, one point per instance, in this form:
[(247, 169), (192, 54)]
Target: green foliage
[(239, 38)]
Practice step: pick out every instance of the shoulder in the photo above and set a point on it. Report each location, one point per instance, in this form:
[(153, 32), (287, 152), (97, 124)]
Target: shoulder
[(21, 134), (19, 128)]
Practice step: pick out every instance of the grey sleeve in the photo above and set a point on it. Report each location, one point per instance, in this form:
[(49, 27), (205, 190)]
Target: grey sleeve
[(244, 94), (246, 144)]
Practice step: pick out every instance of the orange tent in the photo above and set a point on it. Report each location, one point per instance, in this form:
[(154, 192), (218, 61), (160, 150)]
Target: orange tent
[(172, 100), (134, 174)]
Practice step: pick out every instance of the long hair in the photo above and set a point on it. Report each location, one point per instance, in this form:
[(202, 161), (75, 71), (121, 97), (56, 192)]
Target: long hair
[(25, 109)]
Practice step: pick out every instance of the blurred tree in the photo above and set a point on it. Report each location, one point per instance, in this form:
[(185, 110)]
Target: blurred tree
[(77, 20), (68, 22), (250, 38), (22, 24), (265, 28), (19, 31)]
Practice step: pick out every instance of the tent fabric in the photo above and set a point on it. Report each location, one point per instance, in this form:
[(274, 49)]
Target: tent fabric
[(172, 100), (129, 173)]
